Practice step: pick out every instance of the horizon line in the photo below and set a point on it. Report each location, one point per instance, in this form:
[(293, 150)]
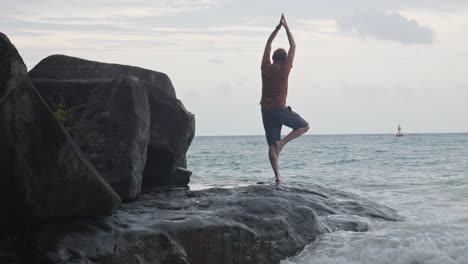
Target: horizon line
[(338, 134)]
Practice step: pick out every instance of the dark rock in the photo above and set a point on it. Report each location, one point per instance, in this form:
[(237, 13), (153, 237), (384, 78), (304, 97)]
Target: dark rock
[(43, 174), (171, 133), (60, 67), (114, 133), (253, 224), (8, 246), (72, 94), (171, 126)]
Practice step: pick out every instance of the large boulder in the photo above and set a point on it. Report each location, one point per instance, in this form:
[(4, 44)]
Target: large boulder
[(61, 67), (74, 82), (171, 133), (43, 174), (70, 95), (114, 133), (254, 224)]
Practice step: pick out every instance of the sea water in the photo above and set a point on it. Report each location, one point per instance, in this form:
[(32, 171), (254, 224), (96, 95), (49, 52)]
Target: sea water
[(423, 176)]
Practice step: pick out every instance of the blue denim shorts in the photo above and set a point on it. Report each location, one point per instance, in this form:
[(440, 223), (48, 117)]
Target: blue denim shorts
[(274, 119)]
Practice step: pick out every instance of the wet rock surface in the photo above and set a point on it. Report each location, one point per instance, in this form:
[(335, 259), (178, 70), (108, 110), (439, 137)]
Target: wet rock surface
[(127, 120), (253, 224)]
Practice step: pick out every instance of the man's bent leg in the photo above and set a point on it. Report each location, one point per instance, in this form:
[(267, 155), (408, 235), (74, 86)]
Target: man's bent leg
[(295, 133), (274, 160), (293, 120)]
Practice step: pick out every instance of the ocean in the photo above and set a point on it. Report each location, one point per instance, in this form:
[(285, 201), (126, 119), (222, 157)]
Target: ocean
[(423, 176)]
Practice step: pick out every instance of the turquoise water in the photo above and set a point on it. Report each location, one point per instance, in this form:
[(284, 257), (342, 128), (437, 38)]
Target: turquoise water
[(423, 176)]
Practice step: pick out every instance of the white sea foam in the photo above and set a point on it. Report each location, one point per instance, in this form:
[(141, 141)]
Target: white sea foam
[(393, 244)]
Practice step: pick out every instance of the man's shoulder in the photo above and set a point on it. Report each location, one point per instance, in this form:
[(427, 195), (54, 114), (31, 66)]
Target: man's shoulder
[(266, 62), (267, 67)]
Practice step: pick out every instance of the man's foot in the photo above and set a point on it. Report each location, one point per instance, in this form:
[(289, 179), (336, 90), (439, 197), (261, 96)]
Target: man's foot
[(279, 146), (277, 180)]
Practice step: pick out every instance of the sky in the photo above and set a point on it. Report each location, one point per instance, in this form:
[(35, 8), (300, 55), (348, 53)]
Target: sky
[(361, 66)]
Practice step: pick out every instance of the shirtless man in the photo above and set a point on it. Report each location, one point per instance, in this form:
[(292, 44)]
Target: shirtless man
[(275, 113)]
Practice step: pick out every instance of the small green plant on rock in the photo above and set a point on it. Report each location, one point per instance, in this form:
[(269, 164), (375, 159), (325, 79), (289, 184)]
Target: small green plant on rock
[(61, 113)]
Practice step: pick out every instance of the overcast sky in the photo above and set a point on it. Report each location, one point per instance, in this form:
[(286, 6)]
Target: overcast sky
[(361, 66)]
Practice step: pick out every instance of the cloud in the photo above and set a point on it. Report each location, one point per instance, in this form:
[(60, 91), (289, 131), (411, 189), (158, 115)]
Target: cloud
[(216, 61), (95, 9), (204, 19), (389, 26), (404, 90)]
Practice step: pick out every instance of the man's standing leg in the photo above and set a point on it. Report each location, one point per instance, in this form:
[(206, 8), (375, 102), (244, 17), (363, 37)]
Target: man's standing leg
[(274, 160), (272, 125)]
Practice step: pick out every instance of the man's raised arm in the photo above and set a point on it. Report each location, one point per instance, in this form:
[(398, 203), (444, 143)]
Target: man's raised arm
[(267, 52), (292, 43)]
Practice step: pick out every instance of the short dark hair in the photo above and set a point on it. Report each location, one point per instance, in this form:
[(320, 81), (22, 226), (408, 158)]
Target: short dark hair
[(279, 55)]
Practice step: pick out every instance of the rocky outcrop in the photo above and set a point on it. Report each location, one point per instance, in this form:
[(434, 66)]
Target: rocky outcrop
[(43, 174), (132, 127), (60, 67), (127, 120), (254, 224), (114, 133)]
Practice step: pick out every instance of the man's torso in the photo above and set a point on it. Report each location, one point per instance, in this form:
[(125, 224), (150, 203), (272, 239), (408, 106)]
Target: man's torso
[(275, 83)]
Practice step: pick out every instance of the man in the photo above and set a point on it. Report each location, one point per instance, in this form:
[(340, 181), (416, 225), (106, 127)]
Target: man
[(275, 114)]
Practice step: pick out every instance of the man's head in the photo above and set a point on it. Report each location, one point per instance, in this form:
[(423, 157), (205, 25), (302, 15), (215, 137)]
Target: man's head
[(279, 55)]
